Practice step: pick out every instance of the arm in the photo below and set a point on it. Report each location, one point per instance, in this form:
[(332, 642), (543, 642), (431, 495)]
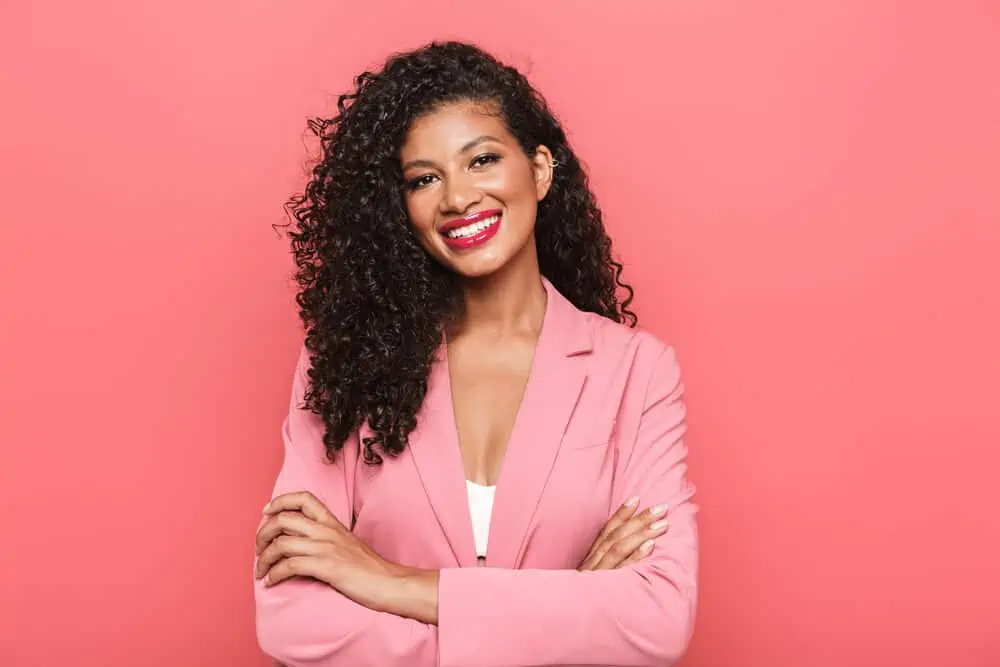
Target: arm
[(306, 622), (637, 615)]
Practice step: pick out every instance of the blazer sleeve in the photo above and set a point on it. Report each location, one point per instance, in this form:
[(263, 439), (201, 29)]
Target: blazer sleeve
[(640, 615), (305, 622)]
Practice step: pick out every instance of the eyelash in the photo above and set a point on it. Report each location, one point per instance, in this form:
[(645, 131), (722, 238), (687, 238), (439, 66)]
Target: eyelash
[(418, 183), (492, 157), (421, 181)]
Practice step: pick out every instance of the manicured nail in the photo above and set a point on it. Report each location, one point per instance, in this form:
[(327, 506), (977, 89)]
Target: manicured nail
[(267, 508), (659, 525), (632, 502), (646, 547), (659, 510)]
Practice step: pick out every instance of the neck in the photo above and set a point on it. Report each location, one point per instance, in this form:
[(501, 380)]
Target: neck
[(511, 301)]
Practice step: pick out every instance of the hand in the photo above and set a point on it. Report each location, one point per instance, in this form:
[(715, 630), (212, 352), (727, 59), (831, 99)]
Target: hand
[(300, 537), (626, 538)]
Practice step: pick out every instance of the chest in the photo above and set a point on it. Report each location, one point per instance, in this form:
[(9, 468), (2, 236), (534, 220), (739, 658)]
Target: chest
[(414, 517), (548, 432), (487, 390)]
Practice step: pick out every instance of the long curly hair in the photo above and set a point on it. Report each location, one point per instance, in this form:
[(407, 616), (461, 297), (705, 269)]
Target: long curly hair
[(374, 303)]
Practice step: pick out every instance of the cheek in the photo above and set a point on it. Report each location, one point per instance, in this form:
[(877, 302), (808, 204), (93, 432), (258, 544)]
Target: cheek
[(420, 214), (511, 185), (517, 189)]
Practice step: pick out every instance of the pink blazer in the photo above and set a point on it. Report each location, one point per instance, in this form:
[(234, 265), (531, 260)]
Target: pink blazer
[(601, 421)]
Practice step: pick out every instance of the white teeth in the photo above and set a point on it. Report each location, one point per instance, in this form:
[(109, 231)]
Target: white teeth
[(474, 228)]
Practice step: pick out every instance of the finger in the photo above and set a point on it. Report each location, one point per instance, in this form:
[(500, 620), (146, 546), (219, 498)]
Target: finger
[(289, 523), (644, 550), (598, 552), (286, 522), (614, 551), (623, 523), (286, 546), (623, 514), (588, 562), (620, 516), (621, 550), (301, 501), (297, 566), (638, 523)]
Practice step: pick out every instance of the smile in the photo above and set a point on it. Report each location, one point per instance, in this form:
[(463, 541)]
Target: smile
[(474, 228), (471, 231)]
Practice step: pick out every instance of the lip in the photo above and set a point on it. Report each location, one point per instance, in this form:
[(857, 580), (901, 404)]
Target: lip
[(475, 240), (468, 220)]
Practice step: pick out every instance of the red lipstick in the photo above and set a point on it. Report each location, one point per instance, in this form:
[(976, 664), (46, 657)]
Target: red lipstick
[(471, 231)]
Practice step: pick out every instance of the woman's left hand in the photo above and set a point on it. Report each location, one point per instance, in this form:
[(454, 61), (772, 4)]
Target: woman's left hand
[(300, 537)]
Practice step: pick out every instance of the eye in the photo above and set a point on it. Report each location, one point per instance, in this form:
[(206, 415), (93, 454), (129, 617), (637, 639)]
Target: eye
[(485, 159), (420, 182)]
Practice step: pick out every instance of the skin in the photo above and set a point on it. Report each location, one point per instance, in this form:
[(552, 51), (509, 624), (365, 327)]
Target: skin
[(457, 160)]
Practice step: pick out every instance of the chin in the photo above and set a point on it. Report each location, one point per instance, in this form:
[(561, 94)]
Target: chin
[(484, 263)]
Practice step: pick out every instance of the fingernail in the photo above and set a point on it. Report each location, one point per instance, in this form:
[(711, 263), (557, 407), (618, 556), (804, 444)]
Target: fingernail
[(646, 547), (659, 525), (632, 502), (267, 508), (659, 510)]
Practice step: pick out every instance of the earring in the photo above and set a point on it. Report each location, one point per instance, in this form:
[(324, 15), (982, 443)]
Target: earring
[(555, 163)]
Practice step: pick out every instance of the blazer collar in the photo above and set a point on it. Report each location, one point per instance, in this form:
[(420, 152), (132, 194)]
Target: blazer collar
[(565, 323), (557, 376)]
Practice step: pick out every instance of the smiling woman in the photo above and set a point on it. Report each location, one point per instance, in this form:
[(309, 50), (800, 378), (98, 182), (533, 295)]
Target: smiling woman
[(480, 451)]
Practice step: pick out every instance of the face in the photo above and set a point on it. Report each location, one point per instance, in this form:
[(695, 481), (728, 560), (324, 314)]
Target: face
[(470, 190)]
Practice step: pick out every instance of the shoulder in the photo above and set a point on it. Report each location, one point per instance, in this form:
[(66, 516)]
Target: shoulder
[(636, 361), (613, 340)]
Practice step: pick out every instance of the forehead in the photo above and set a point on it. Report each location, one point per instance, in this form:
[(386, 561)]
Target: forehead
[(448, 128)]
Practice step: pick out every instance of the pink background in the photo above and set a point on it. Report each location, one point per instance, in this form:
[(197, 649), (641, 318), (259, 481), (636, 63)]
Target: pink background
[(807, 196)]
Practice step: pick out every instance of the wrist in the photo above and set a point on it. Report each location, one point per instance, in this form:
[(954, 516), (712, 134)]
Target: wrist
[(412, 593)]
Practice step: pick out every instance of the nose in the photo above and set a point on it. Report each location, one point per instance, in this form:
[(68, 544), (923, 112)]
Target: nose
[(459, 194)]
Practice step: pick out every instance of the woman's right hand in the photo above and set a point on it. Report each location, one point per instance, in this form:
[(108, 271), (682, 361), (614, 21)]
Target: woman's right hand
[(626, 538)]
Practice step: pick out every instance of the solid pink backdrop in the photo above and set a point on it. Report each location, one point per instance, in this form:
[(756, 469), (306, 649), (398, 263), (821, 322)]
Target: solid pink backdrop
[(806, 198)]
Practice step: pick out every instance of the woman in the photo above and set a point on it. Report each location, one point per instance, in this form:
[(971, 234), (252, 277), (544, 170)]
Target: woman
[(467, 396)]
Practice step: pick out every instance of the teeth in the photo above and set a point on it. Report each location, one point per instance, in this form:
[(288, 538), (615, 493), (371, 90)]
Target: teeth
[(474, 228)]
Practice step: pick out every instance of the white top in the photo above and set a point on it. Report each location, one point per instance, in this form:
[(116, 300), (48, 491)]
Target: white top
[(481, 510)]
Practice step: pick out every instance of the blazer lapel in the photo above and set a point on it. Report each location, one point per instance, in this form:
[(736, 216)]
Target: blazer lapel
[(435, 452), (558, 373)]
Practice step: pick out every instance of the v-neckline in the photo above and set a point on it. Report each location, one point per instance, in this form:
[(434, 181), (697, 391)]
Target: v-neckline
[(556, 377), (518, 414)]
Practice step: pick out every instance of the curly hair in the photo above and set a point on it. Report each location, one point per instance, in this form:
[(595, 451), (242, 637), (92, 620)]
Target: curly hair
[(375, 305)]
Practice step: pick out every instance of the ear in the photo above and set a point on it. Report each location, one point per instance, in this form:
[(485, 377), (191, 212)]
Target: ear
[(542, 165)]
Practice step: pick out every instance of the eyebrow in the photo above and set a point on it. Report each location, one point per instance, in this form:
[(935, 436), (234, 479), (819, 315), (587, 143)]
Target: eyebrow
[(467, 147)]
